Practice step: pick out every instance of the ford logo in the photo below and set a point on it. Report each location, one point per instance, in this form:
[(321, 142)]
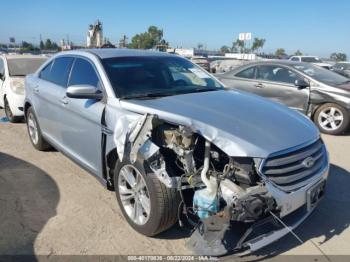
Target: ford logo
[(309, 162)]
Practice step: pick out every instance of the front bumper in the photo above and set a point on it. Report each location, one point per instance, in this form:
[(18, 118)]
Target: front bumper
[(294, 209), (16, 103)]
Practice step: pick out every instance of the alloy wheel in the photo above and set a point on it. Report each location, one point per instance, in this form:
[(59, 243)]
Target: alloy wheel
[(33, 128), (134, 194), (330, 118)]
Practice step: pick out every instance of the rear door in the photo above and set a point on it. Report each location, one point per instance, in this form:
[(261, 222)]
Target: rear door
[(81, 119), (242, 80), (47, 97), (277, 83)]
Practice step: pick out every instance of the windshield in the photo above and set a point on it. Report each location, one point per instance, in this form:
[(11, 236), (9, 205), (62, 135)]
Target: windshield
[(139, 77), (322, 75), (311, 59), (24, 66)]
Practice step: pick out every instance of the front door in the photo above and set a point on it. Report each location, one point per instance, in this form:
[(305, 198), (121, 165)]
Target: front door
[(278, 84), (81, 119)]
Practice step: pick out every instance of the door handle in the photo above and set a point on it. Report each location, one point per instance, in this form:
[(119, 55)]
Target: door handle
[(36, 89), (260, 85), (64, 101)]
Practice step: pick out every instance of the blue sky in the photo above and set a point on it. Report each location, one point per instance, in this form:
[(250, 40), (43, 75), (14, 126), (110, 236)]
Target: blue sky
[(314, 26)]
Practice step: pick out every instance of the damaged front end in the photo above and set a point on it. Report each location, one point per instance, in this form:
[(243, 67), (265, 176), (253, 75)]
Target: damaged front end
[(229, 202)]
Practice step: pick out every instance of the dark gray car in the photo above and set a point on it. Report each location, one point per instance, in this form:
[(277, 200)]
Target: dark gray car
[(342, 68), (322, 95)]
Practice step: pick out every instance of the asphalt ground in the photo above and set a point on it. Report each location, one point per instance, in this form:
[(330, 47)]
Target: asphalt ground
[(50, 206)]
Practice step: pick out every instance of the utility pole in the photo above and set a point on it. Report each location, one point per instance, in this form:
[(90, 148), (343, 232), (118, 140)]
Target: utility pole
[(41, 40)]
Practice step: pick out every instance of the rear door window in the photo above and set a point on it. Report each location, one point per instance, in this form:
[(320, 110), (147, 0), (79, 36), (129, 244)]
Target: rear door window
[(57, 71), (248, 73), (276, 74), (83, 73)]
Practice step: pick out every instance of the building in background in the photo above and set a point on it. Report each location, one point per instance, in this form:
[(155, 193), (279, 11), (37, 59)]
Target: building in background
[(95, 35)]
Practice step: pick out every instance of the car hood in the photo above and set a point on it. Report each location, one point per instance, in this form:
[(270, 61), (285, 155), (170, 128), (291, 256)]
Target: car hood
[(238, 123)]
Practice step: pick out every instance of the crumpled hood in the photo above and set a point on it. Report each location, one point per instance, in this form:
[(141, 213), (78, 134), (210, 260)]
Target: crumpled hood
[(238, 123)]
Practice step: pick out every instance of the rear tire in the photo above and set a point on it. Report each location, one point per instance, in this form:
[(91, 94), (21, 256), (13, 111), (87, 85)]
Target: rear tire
[(332, 119), (34, 132), (164, 202), (9, 114)]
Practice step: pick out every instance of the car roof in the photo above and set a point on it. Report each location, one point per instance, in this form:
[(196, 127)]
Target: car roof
[(266, 62), (274, 62), (119, 52), (304, 56)]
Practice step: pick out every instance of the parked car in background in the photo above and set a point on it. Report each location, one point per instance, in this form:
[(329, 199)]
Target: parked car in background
[(202, 62), (225, 65), (13, 69), (311, 59), (321, 94), (168, 138), (342, 68)]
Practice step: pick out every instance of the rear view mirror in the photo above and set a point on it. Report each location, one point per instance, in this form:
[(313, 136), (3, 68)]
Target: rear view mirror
[(301, 83), (84, 92)]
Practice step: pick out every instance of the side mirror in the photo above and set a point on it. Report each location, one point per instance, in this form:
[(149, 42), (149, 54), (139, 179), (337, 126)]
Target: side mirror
[(2, 76), (301, 83), (84, 92)]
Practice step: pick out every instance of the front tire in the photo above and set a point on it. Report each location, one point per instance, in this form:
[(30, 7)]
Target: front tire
[(34, 131), (332, 119), (146, 203), (9, 114)]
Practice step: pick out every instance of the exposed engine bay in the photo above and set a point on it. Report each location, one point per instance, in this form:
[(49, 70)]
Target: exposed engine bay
[(218, 192), (211, 184)]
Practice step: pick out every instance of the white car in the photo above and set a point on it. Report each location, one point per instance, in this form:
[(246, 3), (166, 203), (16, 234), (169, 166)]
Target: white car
[(311, 59), (13, 69)]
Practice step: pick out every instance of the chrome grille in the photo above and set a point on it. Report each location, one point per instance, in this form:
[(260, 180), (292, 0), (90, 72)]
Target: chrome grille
[(292, 170)]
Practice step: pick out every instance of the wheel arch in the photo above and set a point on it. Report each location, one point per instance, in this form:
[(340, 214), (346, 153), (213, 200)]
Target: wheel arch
[(111, 160), (316, 106), (27, 105)]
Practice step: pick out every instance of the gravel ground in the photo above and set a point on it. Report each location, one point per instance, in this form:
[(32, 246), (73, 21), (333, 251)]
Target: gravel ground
[(48, 206)]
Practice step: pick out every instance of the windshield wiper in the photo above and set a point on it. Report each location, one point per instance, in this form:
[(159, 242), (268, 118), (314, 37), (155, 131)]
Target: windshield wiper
[(150, 95), (198, 90), (177, 92)]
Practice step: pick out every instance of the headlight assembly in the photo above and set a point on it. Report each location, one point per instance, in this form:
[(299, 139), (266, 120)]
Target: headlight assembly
[(17, 87)]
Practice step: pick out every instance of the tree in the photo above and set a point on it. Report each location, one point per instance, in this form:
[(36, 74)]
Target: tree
[(42, 46), (48, 44), (338, 57), (238, 46), (200, 46), (225, 49), (258, 43), (147, 40), (280, 52), (28, 47), (298, 52)]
